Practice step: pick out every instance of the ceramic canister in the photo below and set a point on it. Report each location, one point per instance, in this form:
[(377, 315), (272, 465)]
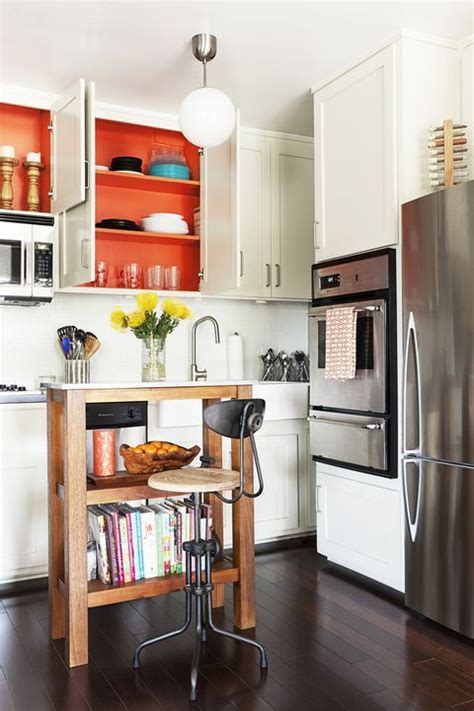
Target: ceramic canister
[(103, 448)]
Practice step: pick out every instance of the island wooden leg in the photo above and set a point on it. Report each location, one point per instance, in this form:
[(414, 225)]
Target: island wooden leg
[(75, 540), (243, 536), (57, 618), (212, 447)]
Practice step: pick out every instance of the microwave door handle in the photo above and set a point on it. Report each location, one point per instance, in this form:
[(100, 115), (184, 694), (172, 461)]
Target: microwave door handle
[(28, 266)]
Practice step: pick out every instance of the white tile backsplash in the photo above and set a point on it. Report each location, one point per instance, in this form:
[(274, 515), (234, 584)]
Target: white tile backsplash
[(29, 345)]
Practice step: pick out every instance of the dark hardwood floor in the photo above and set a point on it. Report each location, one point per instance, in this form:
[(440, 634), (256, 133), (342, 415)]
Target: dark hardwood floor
[(332, 644)]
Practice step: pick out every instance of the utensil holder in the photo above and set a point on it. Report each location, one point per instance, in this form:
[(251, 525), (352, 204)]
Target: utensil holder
[(77, 371)]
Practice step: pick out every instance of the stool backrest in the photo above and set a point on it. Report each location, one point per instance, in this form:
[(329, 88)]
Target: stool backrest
[(225, 417), (238, 419)]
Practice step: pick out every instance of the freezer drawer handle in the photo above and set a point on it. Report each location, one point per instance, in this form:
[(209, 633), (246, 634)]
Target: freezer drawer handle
[(373, 426), (412, 525)]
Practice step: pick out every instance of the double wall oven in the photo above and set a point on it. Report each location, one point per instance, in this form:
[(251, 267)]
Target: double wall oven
[(353, 422)]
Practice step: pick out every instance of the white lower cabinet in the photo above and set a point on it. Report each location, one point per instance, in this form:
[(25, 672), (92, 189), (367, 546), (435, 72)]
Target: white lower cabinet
[(360, 524), (23, 492), (283, 510)]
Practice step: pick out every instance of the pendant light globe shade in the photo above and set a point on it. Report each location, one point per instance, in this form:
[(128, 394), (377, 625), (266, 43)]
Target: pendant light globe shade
[(207, 117)]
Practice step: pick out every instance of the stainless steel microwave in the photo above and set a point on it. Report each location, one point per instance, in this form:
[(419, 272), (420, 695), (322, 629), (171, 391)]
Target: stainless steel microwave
[(26, 258)]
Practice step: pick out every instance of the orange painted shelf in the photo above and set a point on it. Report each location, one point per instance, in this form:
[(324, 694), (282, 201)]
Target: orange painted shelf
[(130, 181), (135, 236), (101, 594)]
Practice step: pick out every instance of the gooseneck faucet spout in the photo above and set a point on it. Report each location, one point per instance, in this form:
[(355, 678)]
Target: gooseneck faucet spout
[(196, 373)]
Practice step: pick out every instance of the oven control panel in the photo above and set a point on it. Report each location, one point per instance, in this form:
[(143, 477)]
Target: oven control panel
[(330, 281), (364, 273)]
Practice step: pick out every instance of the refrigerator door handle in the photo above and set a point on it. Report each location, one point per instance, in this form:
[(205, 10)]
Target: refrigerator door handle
[(412, 338), (412, 525)]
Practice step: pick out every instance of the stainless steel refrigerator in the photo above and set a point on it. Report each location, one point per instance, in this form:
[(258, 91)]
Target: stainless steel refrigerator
[(438, 405)]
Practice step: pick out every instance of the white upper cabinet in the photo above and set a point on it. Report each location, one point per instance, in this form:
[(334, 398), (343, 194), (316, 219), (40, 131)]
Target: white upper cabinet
[(276, 217), (73, 182), (467, 77), (292, 218), (255, 217), (68, 148), (220, 214), (371, 128), (355, 154)]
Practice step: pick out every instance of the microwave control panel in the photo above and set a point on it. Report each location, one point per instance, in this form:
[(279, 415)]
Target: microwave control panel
[(43, 264)]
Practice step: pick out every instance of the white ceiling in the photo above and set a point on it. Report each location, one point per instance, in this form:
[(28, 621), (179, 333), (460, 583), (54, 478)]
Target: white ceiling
[(269, 53)]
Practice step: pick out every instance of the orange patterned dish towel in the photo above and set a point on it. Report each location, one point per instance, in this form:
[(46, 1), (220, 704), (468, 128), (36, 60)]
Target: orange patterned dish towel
[(341, 325)]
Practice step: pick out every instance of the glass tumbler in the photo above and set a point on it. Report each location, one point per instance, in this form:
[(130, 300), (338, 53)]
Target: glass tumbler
[(154, 277), (173, 278), (101, 273), (133, 276)]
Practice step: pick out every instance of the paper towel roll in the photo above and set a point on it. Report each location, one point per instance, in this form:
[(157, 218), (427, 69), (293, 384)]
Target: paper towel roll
[(235, 357)]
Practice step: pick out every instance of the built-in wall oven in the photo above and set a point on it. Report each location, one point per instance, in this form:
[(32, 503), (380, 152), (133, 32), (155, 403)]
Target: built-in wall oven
[(353, 422)]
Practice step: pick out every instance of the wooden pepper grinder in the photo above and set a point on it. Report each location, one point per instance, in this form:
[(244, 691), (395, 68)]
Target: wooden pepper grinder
[(7, 163), (33, 166)]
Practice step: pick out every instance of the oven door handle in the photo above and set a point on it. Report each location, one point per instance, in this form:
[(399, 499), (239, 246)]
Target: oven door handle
[(373, 426)]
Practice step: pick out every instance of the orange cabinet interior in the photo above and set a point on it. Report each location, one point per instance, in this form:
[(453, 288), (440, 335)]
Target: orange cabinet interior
[(133, 198), (27, 130)]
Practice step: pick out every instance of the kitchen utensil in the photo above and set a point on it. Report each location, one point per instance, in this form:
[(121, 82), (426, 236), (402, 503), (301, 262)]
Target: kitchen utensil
[(133, 275), (101, 273), (66, 346), (172, 278), (155, 277), (92, 347), (68, 331)]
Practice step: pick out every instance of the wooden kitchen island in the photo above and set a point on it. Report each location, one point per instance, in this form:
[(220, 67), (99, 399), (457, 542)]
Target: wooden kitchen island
[(70, 595)]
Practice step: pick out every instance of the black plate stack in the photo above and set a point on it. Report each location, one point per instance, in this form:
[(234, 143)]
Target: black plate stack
[(113, 223), (129, 163)]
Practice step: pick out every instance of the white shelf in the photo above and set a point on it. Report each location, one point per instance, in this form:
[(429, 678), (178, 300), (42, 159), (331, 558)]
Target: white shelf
[(172, 294)]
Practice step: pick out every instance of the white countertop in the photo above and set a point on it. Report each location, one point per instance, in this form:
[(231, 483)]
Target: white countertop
[(169, 384)]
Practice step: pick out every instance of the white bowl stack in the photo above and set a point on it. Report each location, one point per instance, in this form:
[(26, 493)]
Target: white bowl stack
[(167, 222)]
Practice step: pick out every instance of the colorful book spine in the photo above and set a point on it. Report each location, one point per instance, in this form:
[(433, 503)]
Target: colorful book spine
[(149, 541), (128, 515), (138, 529), (118, 543), (111, 546), (159, 542), (179, 540), (98, 533), (127, 574)]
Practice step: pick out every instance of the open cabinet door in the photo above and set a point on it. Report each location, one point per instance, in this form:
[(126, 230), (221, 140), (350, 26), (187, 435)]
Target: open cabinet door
[(74, 184), (220, 241)]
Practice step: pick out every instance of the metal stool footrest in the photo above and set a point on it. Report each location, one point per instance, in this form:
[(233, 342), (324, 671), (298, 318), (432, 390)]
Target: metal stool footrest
[(201, 590)]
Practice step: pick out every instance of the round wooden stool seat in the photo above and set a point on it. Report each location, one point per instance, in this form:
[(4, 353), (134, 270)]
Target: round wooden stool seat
[(195, 480)]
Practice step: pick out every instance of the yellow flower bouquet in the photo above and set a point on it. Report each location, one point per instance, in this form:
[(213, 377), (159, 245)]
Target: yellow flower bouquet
[(152, 329)]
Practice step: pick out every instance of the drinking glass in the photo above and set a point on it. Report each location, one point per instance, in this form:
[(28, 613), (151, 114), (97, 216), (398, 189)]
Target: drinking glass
[(101, 273), (172, 278), (133, 276), (154, 277)]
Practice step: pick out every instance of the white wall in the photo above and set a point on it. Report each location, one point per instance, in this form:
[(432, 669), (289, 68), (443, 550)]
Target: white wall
[(29, 348)]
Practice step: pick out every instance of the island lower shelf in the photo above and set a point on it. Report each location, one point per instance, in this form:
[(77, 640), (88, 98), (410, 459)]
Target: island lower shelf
[(101, 594)]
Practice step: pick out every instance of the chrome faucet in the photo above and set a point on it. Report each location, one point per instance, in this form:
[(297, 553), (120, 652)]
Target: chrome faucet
[(197, 374)]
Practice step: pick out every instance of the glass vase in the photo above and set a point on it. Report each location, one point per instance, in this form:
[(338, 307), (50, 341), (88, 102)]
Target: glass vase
[(153, 359)]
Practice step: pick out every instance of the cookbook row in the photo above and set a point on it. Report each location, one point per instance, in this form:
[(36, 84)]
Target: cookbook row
[(129, 543)]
